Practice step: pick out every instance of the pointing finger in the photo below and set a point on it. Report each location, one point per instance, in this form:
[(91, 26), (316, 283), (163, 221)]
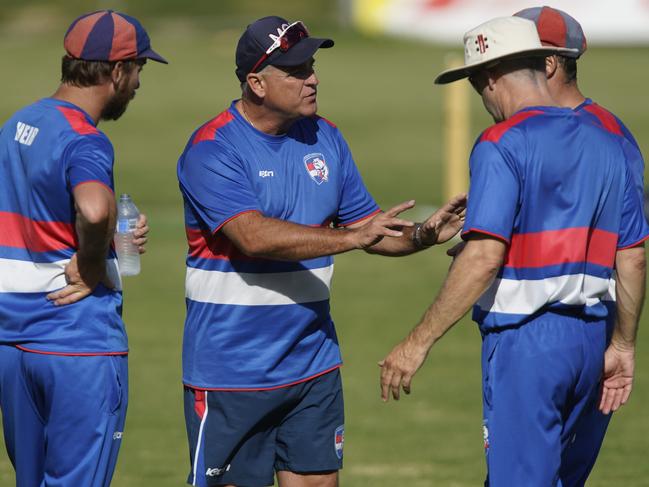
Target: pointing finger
[(395, 210)]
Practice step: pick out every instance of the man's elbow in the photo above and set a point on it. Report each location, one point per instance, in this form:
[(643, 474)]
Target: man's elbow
[(486, 256), (489, 264), (95, 215), (251, 244), (95, 205), (633, 259), (255, 249)]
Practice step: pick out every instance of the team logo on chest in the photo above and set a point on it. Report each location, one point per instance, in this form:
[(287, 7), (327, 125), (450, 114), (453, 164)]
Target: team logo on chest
[(317, 167)]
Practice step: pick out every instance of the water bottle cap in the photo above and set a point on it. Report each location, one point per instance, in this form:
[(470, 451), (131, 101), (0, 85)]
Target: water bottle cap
[(125, 197)]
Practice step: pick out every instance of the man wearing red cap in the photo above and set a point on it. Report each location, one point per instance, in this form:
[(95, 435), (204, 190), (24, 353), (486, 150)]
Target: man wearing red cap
[(63, 352), (557, 28), (551, 211), (271, 193)]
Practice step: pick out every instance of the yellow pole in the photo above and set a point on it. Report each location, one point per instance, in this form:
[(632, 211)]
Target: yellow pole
[(456, 133)]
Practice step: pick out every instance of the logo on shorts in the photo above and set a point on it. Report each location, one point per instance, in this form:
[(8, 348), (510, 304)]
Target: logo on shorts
[(118, 435), (339, 440), (317, 167), (215, 472), (485, 436)]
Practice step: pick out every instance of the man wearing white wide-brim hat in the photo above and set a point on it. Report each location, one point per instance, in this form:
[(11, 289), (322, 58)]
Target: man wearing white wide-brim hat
[(551, 211)]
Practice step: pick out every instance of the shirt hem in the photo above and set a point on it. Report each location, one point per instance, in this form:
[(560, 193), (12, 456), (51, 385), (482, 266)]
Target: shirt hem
[(233, 217), (270, 388), (485, 232), (635, 244), (68, 354), (96, 181)]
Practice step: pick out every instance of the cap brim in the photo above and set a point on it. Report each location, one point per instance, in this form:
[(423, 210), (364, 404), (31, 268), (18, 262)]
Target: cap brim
[(571, 52), (300, 52), (153, 56), (456, 74)]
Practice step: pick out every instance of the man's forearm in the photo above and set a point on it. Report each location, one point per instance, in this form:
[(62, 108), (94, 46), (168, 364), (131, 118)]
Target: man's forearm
[(630, 267), (95, 221), (282, 240), (397, 247), (471, 274), (94, 238), (271, 238)]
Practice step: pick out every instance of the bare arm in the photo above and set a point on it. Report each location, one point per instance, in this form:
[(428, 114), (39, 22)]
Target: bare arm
[(619, 360), (630, 265), (469, 277), (440, 227), (259, 236), (95, 226)]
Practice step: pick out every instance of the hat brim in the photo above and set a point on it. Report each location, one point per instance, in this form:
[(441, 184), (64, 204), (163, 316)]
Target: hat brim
[(572, 52), (300, 53), (152, 55), (456, 74)]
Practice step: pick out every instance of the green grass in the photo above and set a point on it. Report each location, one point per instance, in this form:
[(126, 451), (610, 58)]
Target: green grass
[(380, 93)]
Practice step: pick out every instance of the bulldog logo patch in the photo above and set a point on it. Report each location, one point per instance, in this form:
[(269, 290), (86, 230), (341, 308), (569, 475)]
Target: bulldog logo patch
[(317, 168)]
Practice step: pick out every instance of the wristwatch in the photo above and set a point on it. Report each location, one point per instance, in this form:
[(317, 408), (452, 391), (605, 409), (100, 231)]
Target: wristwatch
[(416, 238)]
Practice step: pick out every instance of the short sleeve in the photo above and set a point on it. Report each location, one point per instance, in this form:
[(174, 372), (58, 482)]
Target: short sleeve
[(635, 163), (215, 184), (356, 203), (493, 194), (633, 226), (90, 159)]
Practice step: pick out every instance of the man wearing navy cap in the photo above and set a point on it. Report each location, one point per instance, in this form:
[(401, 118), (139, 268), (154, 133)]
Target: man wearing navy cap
[(557, 28), (63, 352), (552, 209), (271, 192)]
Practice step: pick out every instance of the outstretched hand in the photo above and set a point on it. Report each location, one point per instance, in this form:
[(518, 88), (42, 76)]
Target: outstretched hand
[(617, 380), (82, 279), (382, 225), (444, 224)]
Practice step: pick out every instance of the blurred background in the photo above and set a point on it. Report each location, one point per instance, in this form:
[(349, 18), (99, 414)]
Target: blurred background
[(376, 85)]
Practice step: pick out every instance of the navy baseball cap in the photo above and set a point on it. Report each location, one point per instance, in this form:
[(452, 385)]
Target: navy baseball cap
[(106, 35), (556, 28), (273, 40)]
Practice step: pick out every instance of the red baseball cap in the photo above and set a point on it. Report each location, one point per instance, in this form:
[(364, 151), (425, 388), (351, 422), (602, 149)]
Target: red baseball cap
[(556, 28), (106, 35)]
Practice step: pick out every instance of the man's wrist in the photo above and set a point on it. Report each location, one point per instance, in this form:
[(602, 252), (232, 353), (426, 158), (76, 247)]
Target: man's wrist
[(623, 345), (417, 238), (92, 259)]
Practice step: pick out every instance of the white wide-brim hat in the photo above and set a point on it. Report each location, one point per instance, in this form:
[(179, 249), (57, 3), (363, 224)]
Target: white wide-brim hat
[(499, 38)]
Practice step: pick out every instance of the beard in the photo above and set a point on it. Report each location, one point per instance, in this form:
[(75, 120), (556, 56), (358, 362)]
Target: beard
[(117, 105)]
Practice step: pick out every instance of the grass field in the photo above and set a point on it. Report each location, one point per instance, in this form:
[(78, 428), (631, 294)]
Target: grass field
[(380, 93)]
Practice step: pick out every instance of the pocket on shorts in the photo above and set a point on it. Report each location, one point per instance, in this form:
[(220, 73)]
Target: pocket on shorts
[(488, 368), (114, 385)]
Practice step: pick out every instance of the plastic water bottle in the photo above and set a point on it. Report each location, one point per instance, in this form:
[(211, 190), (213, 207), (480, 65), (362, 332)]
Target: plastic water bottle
[(128, 256)]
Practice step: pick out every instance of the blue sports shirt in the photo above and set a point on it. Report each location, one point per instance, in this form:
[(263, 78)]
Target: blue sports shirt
[(46, 150), (550, 184), (609, 122), (255, 323)]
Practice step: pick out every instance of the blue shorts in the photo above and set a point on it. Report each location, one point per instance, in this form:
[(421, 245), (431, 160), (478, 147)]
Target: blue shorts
[(242, 438), (540, 397), (63, 416)]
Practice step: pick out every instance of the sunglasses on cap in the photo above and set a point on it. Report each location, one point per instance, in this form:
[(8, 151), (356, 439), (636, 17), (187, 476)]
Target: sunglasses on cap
[(286, 39)]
